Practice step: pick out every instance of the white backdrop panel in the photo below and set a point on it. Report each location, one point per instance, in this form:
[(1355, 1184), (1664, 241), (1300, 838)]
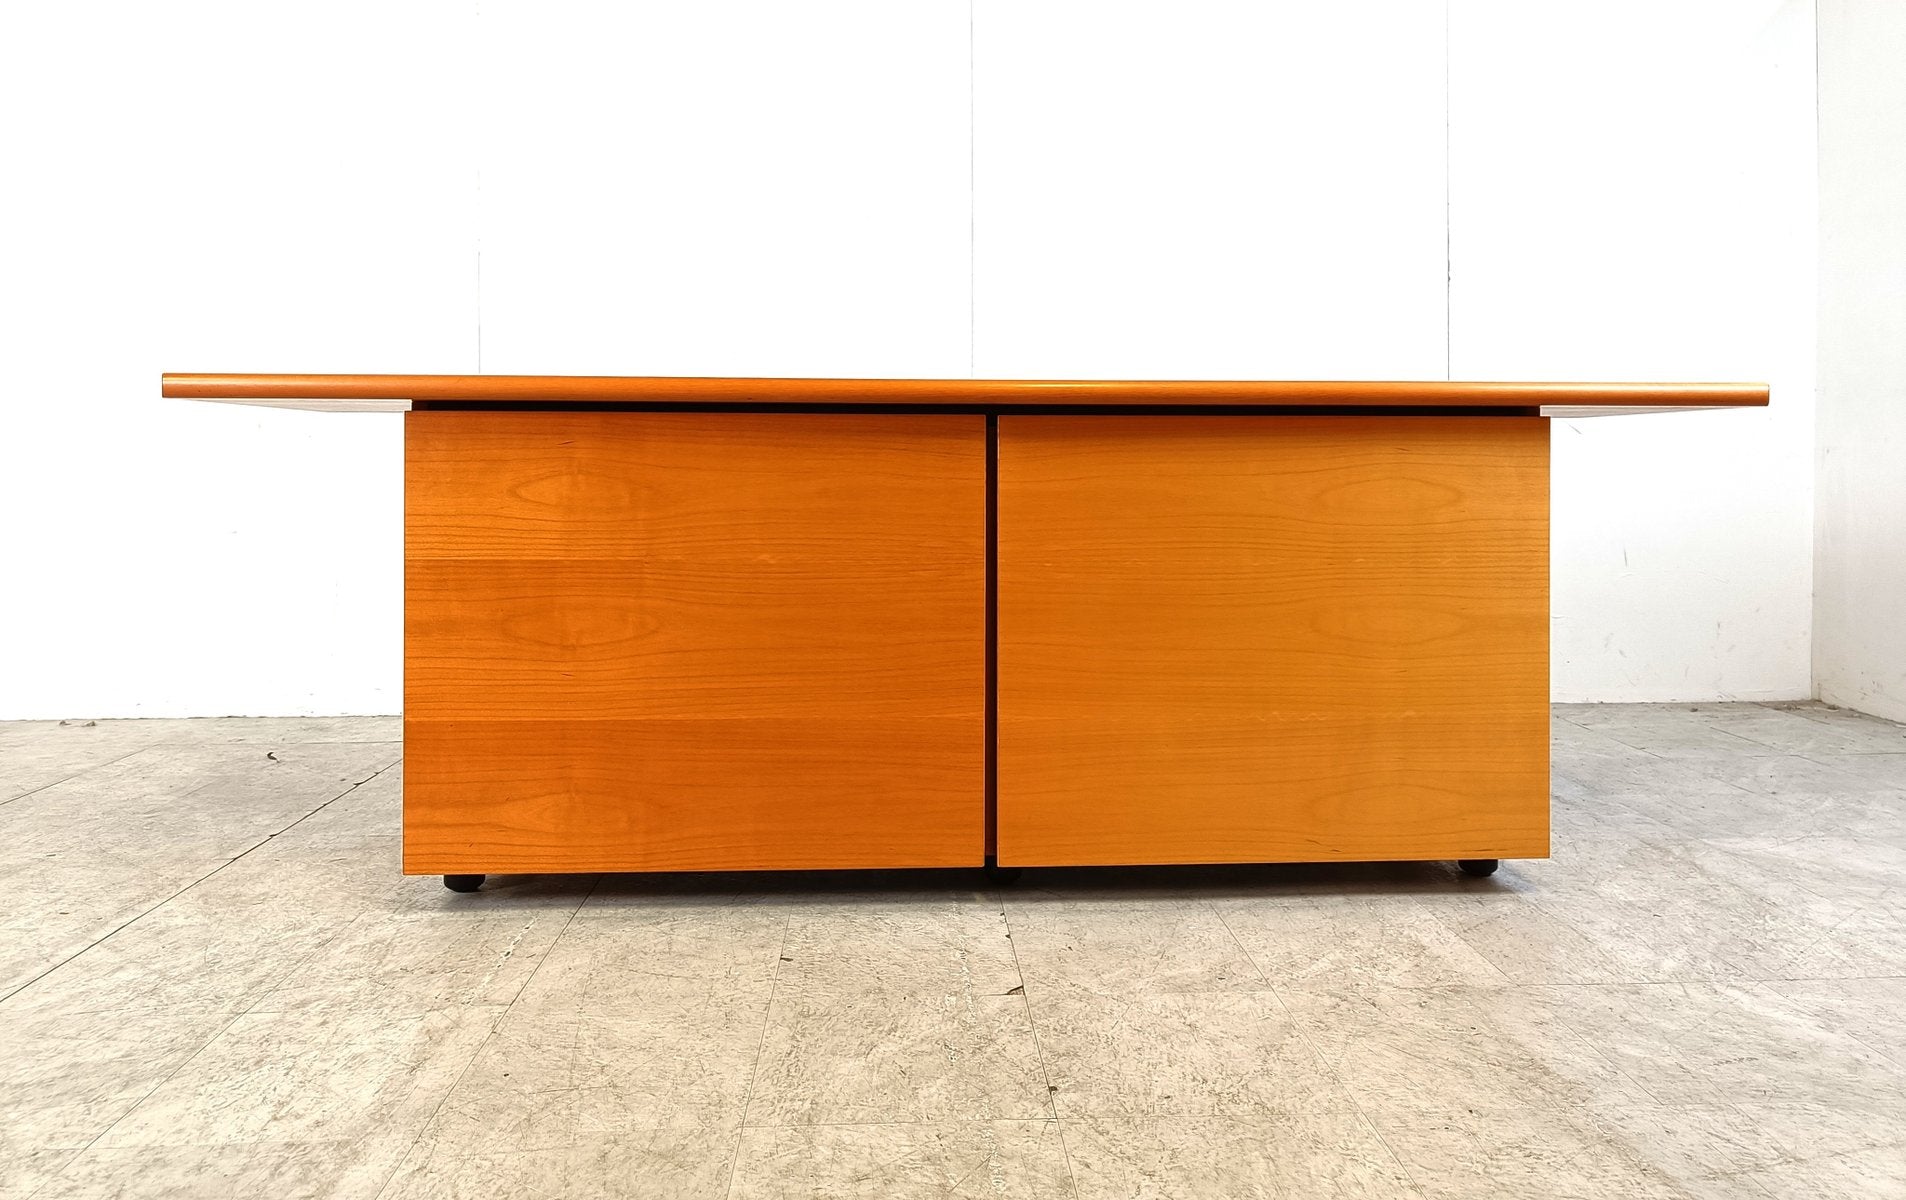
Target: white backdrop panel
[(1217, 189), (1631, 197)]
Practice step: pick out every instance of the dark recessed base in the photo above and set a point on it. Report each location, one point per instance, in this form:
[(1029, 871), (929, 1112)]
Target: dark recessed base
[(463, 883), (1478, 867)]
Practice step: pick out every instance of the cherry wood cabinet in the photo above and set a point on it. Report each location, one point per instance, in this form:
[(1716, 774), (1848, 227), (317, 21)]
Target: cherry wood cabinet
[(720, 624)]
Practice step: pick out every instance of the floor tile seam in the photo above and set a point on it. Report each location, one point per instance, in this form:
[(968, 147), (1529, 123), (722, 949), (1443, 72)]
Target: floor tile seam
[(1441, 923), (952, 1189), (1809, 755), (542, 958), (323, 944), (1825, 713), (134, 1107), (761, 1043), (1160, 952), (554, 1147), (1722, 726), (1670, 1047), (1718, 846), (1297, 1024), (399, 919), (116, 930), (1654, 828), (1625, 799), (927, 1123), (1589, 1044), (1266, 1117), (1330, 1068), (75, 775), (373, 776), (1606, 1139), (1810, 1154), (1600, 1119), (1899, 975), (1655, 755), (1808, 1010), (1860, 907), (211, 783), (1561, 918), (509, 1005), (1773, 749), (1868, 786), (39, 1189), (502, 1011), (1257, 969), (1880, 1051), (1758, 1189), (251, 1144), (1038, 1047), (127, 1010), (135, 918), (1780, 840), (1564, 717), (1744, 1177), (1416, 1186), (1126, 996), (1599, 731), (278, 981)]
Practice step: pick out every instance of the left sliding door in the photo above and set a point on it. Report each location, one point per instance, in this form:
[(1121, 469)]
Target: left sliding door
[(693, 641)]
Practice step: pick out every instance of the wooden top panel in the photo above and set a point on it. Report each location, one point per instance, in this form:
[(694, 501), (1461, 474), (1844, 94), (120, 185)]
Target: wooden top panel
[(398, 393)]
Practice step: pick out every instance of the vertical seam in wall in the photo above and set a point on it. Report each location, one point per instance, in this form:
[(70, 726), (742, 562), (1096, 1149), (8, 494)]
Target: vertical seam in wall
[(476, 149), (972, 205), (1816, 460), (1449, 362)]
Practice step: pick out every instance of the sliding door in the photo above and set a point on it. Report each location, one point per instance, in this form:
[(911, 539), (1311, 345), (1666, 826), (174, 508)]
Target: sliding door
[(679, 641), (1265, 638)]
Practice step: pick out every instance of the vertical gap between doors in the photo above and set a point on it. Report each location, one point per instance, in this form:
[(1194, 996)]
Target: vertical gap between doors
[(992, 639)]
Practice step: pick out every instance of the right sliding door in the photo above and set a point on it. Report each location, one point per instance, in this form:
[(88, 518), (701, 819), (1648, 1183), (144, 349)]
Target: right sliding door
[(1271, 638)]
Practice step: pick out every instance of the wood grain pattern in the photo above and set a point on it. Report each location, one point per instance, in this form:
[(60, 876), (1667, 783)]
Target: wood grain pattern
[(361, 391), (492, 639), (1261, 639), (691, 794), (688, 641)]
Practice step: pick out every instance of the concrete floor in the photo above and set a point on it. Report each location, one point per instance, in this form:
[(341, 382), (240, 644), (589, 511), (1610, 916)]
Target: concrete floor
[(214, 982)]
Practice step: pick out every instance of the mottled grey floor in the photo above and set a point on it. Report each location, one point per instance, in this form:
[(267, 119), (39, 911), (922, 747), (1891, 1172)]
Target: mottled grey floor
[(214, 982)]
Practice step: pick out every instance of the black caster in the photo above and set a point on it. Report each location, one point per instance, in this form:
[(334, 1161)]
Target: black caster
[(1479, 867), (463, 883), (1005, 876)]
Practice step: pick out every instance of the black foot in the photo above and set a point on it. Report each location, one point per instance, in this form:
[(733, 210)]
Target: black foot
[(1001, 875), (1478, 867), (463, 883)]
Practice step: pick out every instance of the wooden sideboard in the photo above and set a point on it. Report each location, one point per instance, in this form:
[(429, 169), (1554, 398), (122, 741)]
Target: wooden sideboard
[(658, 624)]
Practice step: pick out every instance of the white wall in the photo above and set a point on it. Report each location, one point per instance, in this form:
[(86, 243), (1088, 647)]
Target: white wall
[(1007, 188), (1632, 198), (198, 186), (1860, 637), (1221, 191), (724, 188)]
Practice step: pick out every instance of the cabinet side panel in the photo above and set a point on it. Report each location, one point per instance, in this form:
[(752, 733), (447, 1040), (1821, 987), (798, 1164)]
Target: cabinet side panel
[(693, 641), (1265, 639)]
